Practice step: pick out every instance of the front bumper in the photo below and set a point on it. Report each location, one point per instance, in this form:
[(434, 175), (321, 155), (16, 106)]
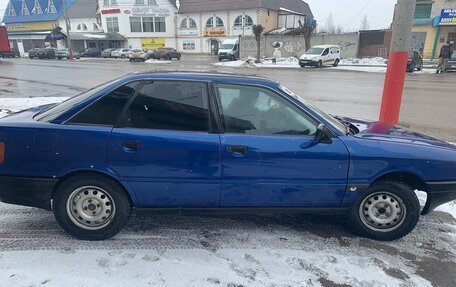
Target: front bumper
[(33, 192), (223, 56), (307, 62), (439, 193)]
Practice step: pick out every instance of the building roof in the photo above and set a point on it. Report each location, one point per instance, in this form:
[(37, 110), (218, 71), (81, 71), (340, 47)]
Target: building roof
[(196, 6), (44, 4), (82, 9)]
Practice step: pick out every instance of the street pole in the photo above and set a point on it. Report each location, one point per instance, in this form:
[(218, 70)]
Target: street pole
[(397, 61), (67, 23)]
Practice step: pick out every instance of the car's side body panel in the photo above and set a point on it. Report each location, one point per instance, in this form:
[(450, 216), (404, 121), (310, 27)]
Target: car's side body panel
[(168, 168), (283, 171)]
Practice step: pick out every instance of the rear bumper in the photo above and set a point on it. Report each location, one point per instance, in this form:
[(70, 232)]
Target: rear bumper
[(25, 191), (439, 193)]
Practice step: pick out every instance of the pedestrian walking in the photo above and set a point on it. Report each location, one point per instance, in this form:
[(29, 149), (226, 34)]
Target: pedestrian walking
[(444, 57)]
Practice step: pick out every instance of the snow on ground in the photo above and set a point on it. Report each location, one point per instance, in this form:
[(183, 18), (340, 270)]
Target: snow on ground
[(154, 61), (360, 65), (378, 61)]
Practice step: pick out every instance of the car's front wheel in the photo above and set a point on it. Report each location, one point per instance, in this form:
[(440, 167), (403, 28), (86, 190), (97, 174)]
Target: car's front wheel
[(387, 211), (91, 207)]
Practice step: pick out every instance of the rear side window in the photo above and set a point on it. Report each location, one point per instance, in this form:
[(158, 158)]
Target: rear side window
[(170, 105), (106, 110)]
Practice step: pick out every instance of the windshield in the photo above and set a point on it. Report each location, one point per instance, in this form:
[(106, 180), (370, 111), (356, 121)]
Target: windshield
[(57, 110), (330, 119), (227, 46), (315, 51)]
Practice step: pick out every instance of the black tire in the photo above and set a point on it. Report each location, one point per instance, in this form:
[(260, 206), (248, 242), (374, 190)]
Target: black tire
[(131, 60), (336, 63), (412, 68), (179, 56), (122, 56), (233, 58), (419, 68), (319, 64), (220, 59), (101, 190), (398, 203), (167, 57)]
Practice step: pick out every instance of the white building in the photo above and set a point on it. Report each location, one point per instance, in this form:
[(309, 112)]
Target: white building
[(146, 24), (204, 24)]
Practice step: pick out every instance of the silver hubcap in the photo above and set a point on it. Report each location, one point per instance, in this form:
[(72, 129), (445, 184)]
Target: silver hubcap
[(382, 211), (90, 208)]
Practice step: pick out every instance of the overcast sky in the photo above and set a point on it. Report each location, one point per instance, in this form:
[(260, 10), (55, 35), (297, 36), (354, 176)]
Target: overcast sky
[(348, 13)]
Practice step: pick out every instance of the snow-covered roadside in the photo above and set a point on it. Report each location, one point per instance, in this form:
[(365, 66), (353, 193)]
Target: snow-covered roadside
[(154, 61), (8, 105), (373, 65)]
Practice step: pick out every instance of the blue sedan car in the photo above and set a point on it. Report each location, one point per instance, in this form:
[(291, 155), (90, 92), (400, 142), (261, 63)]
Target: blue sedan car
[(186, 142)]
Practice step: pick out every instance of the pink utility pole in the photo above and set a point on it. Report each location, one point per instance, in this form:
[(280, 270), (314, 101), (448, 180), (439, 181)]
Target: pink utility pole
[(397, 61)]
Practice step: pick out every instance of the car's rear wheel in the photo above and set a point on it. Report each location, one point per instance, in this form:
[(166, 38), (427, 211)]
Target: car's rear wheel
[(387, 211), (167, 57), (122, 56), (336, 63), (91, 207), (179, 56)]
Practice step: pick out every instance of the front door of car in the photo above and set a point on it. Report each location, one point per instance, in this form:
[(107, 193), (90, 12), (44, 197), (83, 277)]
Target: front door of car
[(163, 149), (270, 156), (326, 56)]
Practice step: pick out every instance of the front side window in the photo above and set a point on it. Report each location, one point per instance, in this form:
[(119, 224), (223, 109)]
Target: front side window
[(259, 111), (106, 111), (169, 105)]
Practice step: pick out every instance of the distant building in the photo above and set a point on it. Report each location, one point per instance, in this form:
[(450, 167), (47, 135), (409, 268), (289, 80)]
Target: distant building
[(204, 24), (146, 24), (374, 43), (434, 24), (30, 22)]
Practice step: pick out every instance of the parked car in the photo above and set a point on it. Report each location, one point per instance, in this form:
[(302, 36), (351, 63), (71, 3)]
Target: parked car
[(107, 52), (138, 55), (229, 50), (120, 53), (32, 53), (155, 141), (451, 66), (414, 62), (318, 56), (167, 53), (46, 53), (65, 53), (91, 52), (13, 53)]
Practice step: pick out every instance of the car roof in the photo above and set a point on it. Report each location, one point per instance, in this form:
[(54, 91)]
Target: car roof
[(205, 76), (325, 46)]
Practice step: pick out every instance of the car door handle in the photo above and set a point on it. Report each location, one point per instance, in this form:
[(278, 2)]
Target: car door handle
[(130, 146), (238, 149)]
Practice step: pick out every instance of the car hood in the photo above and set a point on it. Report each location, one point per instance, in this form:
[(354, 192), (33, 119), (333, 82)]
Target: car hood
[(382, 131)]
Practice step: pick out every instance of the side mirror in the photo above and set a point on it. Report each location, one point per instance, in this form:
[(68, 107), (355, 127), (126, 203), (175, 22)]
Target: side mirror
[(323, 135)]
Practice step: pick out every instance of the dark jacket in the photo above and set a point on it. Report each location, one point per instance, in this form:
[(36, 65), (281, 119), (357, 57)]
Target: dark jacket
[(445, 52)]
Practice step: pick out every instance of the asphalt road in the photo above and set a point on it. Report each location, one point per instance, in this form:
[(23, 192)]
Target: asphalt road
[(428, 105)]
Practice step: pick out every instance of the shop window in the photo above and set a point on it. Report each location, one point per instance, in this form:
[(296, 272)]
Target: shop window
[(189, 45), (160, 24), (112, 24), (37, 8), (214, 22), (135, 24), (51, 7), (188, 23), (24, 10), (423, 11), (148, 24), (243, 20), (109, 2)]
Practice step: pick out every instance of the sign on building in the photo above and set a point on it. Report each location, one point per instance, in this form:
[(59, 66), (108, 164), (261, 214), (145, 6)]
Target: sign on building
[(31, 26), (448, 17), (214, 32), (152, 43)]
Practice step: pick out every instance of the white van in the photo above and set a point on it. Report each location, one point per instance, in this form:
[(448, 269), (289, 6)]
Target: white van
[(319, 56), (229, 50)]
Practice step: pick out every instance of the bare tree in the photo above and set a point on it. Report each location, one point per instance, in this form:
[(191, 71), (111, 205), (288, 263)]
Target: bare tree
[(340, 29), (307, 29), (257, 31), (365, 23), (330, 27)]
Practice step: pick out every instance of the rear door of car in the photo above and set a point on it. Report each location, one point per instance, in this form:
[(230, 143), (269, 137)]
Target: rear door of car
[(164, 146)]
